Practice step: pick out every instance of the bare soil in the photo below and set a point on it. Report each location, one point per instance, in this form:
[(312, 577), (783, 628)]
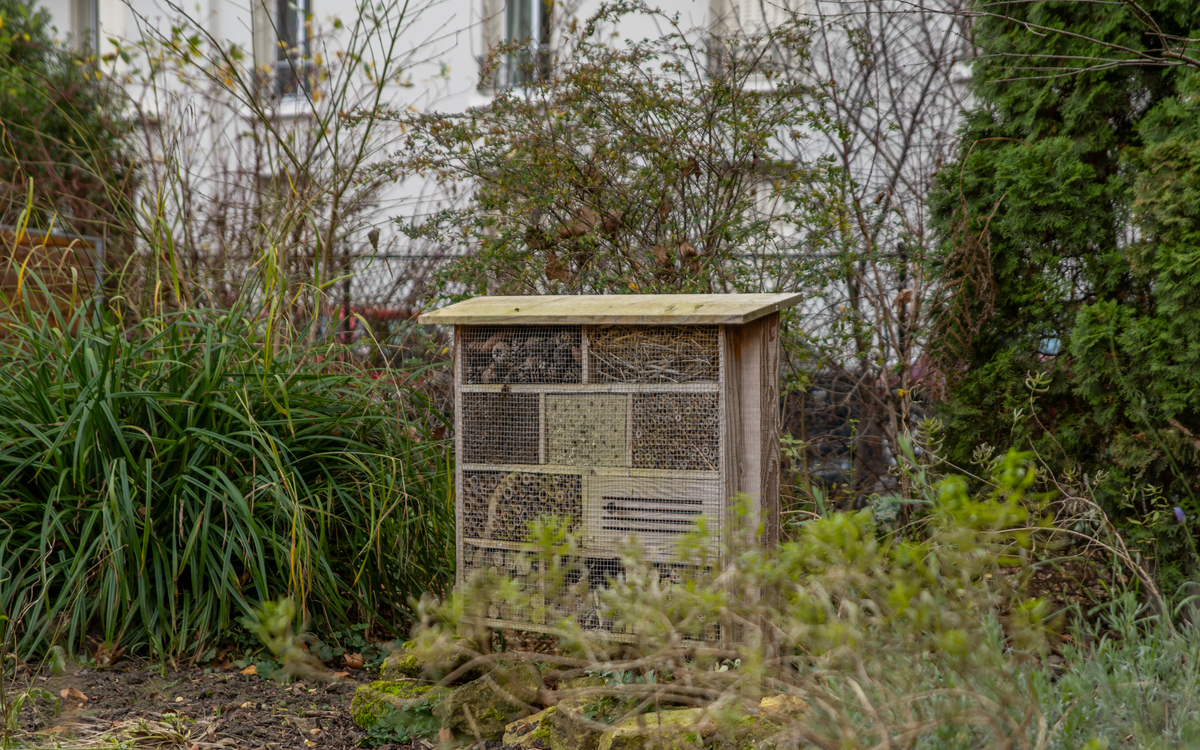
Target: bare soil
[(195, 709)]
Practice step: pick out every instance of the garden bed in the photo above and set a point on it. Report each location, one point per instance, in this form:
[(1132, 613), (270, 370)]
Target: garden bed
[(139, 705)]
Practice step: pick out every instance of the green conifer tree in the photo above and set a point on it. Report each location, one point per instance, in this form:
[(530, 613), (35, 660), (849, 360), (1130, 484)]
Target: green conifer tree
[(1070, 249)]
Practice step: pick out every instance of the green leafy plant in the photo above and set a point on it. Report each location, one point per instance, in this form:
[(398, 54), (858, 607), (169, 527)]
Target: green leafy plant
[(403, 723), (65, 133), (870, 635)]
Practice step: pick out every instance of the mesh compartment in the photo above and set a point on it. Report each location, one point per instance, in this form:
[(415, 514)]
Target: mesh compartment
[(679, 431), (521, 354), (500, 505), (587, 429), (580, 597), (502, 563), (653, 354), (500, 428)]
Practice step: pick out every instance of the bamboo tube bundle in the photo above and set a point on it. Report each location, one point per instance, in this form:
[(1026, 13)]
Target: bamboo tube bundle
[(679, 431), (500, 505), (654, 354)]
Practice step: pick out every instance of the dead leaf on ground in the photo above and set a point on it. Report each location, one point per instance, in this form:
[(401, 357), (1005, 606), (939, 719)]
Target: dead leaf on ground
[(73, 694), (354, 661), (445, 735), (252, 669), (340, 676)]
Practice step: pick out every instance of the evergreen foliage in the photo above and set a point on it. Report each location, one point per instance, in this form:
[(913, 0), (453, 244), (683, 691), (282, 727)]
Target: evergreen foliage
[(1069, 228)]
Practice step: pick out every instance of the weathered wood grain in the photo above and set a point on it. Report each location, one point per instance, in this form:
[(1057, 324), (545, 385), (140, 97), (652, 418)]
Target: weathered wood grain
[(613, 309)]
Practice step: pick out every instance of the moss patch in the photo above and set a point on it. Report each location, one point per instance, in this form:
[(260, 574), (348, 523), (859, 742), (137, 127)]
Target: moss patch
[(678, 729), (408, 663), (532, 731), (403, 705), (490, 699)]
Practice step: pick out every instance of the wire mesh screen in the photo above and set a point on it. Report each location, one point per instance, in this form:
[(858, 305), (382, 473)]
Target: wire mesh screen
[(676, 431), (654, 354), (522, 354), (616, 429), (500, 505), (500, 428)]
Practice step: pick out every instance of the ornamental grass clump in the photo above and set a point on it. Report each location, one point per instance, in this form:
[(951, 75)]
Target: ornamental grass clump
[(160, 478)]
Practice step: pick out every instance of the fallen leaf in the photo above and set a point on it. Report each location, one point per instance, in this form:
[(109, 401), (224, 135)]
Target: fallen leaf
[(315, 730), (354, 661), (72, 694), (445, 735), (249, 704), (339, 676), (252, 669), (179, 699), (309, 743)]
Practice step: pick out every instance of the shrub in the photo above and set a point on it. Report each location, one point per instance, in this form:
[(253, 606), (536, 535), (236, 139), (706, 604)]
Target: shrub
[(852, 636), (158, 480), (68, 142), (873, 638)]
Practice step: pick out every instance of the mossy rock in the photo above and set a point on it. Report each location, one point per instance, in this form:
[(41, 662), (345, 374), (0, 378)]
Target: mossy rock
[(535, 732), (398, 703), (491, 709), (673, 729), (407, 663)]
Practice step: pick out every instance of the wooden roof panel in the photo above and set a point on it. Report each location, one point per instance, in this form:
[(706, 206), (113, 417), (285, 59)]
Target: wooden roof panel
[(612, 309)]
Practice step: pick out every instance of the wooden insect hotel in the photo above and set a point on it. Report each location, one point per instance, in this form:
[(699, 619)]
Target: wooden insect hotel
[(629, 415)]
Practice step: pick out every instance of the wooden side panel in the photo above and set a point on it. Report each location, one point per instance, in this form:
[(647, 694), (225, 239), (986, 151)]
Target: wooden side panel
[(767, 386), (459, 566), (750, 385), (731, 423)]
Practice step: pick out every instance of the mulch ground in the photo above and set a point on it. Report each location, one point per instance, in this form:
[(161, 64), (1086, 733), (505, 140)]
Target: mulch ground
[(191, 709)]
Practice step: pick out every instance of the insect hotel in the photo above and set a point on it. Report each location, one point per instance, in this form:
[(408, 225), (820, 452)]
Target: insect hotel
[(629, 415)]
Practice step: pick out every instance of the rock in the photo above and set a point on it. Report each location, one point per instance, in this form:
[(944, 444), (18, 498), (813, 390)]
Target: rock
[(781, 707), (569, 732), (490, 707), (407, 662), (400, 703), (533, 732), (672, 729)]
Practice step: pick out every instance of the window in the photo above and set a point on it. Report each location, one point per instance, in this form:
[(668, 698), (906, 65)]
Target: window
[(283, 45), (95, 21), (527, 23), (85, 24), (293, 66)]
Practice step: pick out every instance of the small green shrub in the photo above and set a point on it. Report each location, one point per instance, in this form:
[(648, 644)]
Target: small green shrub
[(876, 636), (159, 479)]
